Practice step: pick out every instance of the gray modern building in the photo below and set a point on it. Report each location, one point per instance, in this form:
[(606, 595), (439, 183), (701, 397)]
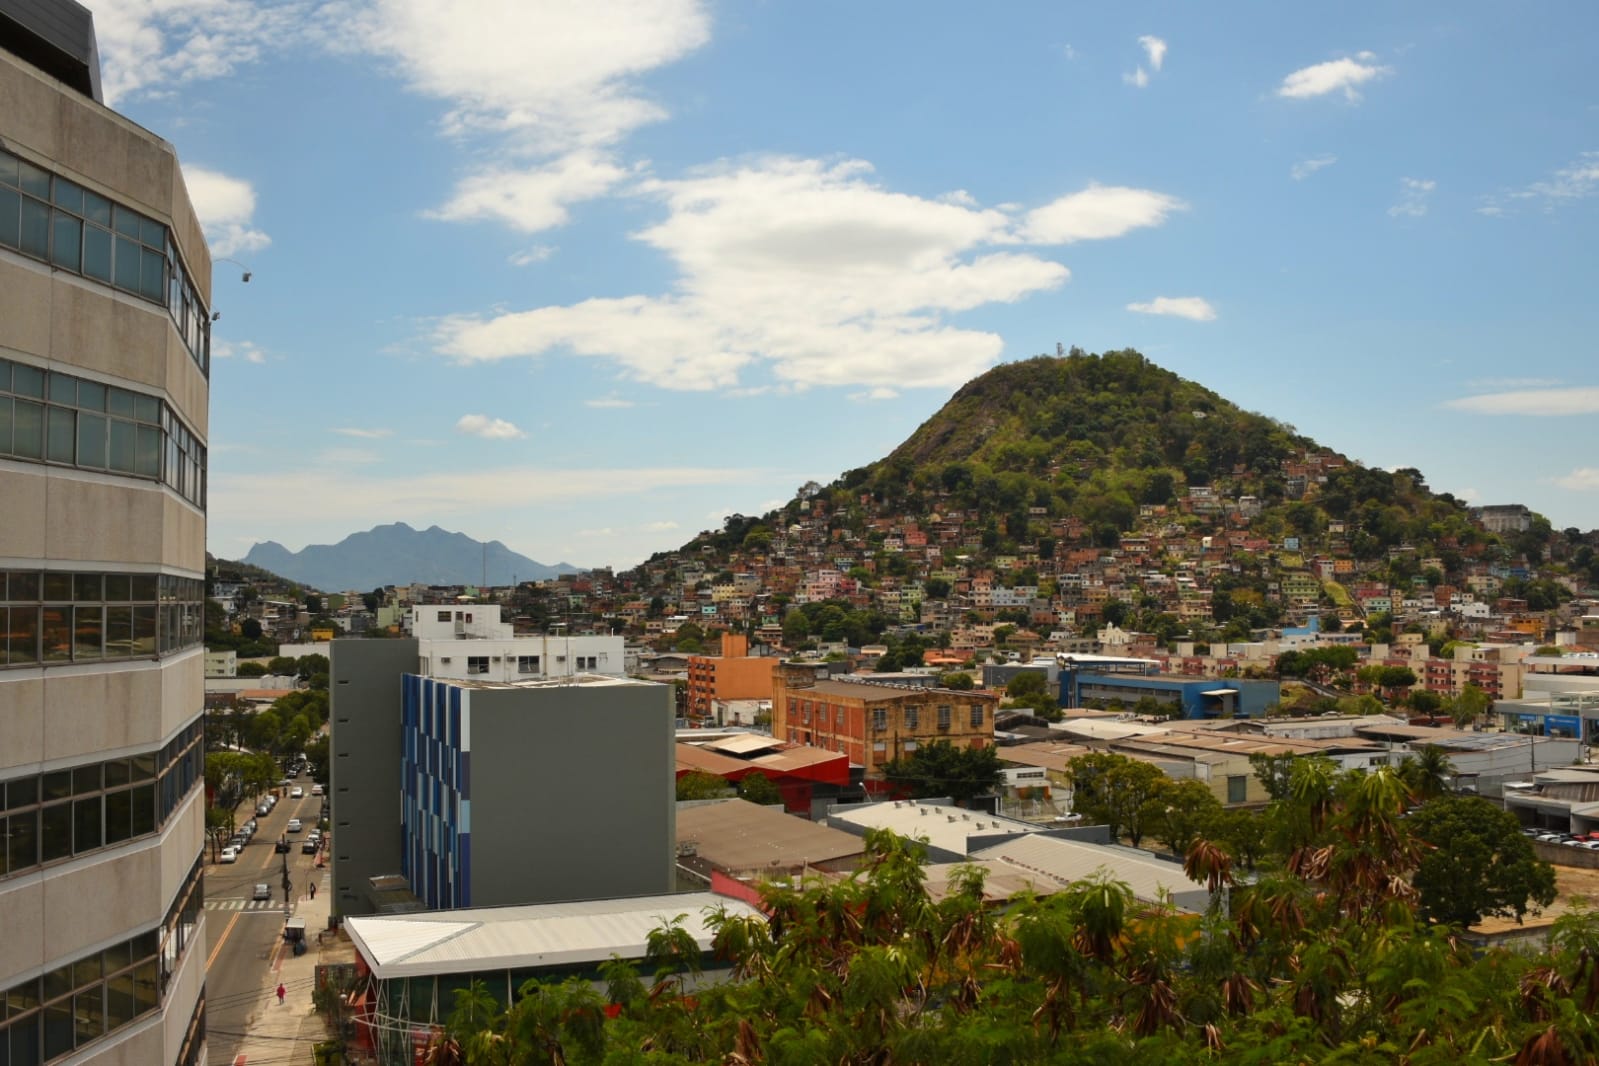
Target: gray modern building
[(487, 793), (104, 384)]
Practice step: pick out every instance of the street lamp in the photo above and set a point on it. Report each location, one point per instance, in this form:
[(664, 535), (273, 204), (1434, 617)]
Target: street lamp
[(247, 271)]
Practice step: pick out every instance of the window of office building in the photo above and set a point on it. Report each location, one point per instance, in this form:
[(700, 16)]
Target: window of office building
[(945, 714), (55, 616), (477, 664), (977, 715), (73, 228), (1237, 788), (879, 719), (913, 718), (527, 664)]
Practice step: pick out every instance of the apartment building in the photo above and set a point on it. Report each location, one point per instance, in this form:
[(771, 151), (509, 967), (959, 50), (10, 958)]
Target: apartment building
[(104, 385), (735, 674)]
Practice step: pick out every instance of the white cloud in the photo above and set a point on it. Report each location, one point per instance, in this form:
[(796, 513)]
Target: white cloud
[(1575, 181), (531, 200), (226, 207), (347, 457), (608, 402), (659, 527), (1413, 196), (149, 46), (1155, 49), (1099, 212), (1512, 383), (1306, 167), (1567, 401), (1582, 479), (244, 350), (363, 434), (1336, 75), (488, 428), (882, 392), (536, 254), (1139, 78), (1069, 52), (1195, 308), (814, 273)]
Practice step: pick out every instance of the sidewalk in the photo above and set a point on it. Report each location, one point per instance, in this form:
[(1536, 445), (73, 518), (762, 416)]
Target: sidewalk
[(285, 1033)]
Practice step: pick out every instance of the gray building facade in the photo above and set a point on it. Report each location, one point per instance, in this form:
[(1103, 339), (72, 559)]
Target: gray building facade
[(495, 793)]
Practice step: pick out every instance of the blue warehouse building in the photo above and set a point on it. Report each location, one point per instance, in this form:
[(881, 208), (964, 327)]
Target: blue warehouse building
[(1101, 678)]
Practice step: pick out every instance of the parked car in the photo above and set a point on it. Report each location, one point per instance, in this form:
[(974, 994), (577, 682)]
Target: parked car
[(281, 845), (296, 792), (295, 825), (229, 854), (1548, 838), (262, 891), (263, 809), (238, 840), (316, 790), (309, 846)]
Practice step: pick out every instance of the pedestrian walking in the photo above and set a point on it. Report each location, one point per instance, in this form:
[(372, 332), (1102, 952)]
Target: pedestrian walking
[(281, 993), (313, 890)]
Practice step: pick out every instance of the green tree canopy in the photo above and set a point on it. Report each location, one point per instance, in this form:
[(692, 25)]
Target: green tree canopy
[(939, 768), (1479, 863)]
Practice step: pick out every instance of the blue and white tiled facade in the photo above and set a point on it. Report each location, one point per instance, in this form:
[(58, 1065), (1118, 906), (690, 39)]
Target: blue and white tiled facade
[(436, 803)]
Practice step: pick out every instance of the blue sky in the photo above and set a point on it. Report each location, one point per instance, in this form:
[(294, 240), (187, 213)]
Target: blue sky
[(587, 277)]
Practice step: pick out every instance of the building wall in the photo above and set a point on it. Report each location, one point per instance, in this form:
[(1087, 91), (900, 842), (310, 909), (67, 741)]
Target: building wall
[(573, 792), (521, 658), (364, 716), (91, 702)]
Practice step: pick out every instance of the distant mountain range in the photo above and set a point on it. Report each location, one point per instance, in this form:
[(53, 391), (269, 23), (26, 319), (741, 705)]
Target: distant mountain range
[(399, 555)]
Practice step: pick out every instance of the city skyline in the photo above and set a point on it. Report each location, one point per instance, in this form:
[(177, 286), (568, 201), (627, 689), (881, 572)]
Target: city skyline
[(586, 279)]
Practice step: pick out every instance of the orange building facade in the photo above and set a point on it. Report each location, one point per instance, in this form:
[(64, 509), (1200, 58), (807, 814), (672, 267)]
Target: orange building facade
[(733, 675), (874, 724)]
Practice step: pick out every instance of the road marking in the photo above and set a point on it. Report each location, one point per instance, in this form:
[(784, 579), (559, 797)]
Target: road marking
[(221, 940)]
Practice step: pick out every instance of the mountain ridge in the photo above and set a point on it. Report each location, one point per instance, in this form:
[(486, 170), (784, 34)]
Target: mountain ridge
[(397, 553)]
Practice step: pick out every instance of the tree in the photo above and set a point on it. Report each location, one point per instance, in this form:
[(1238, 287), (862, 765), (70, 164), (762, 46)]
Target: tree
[(1469, 706), (1116, 791), (957, 680), (1273, 772), (1479, 863), (1181, 812), (939, 768), (698, 785), (758, 788), (252, 670), (250, 629), (1427, 773)]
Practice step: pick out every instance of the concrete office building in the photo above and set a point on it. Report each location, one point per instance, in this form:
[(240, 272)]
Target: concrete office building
[(486, 793), (104, 351), (470, 642)]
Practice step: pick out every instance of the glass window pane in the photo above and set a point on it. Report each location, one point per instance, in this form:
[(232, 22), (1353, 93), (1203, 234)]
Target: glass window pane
[(147, 452), (125, 266), (116, 588), (22, 840), (57, 785), (86, 779), (146, 408), (5, 425), (143, 809), (146, 994), (57, 586), (144, 629), (152, 233), (66, 245), (144, 587), (34, 181), (64, 390), (35, 228), (57, 1029), (27, 381), (118, 632), (69, 196), (56, 633), (24, 586), (119, 402), (96, 208), (118, 816), (23, 639), (27, 429), (92, 441), (10, 218), (120, 1007), (143, 766), (152, 275), (88, 588), (97, 253), (120, 454), (8, 169), (61, 433), (88, 1011), (88, 634), (55, 837), (87, 833), (91, 395), (116, 773), (127, 222), (86, 971)]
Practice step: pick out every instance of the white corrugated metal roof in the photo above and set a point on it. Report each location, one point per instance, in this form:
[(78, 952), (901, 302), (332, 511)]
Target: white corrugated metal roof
[(549, 934), (946, 828), (1070, 860)]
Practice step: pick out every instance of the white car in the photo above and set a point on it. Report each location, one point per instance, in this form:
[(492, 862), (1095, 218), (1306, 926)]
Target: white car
[(229, 854), (295, 825), (296, 792), (316, 790)]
